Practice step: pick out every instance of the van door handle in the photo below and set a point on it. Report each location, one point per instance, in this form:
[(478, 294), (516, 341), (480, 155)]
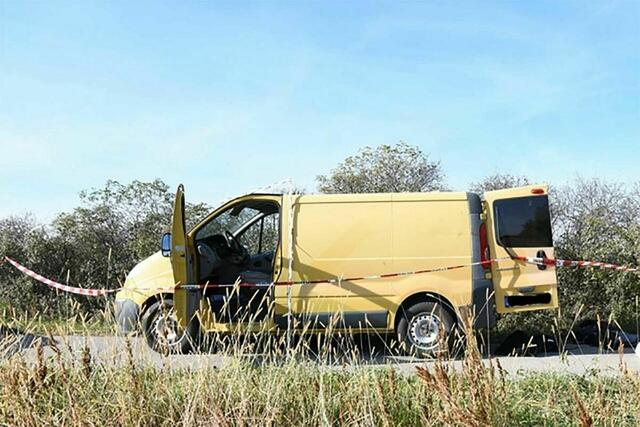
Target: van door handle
[(541, 254)]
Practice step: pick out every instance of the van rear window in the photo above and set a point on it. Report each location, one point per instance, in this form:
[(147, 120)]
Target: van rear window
[(523, 222)]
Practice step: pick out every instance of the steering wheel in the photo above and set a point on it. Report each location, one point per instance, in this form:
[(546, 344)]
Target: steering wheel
[(232, 243)]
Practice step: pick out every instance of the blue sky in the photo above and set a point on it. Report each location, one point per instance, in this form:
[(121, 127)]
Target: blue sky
[(228, 96)]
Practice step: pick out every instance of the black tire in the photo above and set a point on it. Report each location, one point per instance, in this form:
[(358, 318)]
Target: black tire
[(161, 330), (425, 329)]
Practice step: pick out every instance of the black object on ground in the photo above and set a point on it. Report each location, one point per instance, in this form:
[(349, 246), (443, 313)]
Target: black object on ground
[(13, 340), (604, 334), (520, 343), (601, 334)]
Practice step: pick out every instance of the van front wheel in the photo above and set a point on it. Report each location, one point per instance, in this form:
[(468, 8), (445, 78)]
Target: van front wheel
[(161, 329), (424, 329)]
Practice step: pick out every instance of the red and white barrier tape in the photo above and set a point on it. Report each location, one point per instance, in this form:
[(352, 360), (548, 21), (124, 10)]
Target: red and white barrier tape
[(60, 286), (579, 264), (342, 279), (529, 260), (339, 280)]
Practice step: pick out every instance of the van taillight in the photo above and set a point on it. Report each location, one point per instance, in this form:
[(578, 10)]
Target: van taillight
[(485, 256)]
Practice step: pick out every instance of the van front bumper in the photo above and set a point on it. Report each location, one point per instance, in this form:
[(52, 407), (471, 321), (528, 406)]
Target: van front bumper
[(126, 312)]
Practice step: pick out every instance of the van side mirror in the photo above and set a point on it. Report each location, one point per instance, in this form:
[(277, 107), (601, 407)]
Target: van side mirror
[(165, 244)]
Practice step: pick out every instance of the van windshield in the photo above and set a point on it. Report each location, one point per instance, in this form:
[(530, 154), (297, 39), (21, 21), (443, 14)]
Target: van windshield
[(523, 222)]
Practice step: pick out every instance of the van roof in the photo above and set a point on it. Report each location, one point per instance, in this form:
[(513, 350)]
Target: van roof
[(431, 195)]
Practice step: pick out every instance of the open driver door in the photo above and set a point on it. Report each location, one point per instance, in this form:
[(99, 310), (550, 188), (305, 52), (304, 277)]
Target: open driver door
[(187, 294), (519, 225)]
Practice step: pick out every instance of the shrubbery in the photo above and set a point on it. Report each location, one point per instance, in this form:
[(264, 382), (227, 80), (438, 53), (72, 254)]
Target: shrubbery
[(592, 220), (94, 245)]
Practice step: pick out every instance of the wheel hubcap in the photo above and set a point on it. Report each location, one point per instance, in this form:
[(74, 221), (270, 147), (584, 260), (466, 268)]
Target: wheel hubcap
[(424, 330), (166, 329)]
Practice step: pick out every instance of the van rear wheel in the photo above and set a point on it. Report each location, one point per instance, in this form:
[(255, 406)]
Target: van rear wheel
[(425, 329)]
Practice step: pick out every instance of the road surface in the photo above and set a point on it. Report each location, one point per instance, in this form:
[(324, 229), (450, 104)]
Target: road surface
[(112, 350)]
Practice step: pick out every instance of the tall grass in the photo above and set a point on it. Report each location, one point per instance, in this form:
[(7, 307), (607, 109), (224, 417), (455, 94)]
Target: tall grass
[(319, 383)]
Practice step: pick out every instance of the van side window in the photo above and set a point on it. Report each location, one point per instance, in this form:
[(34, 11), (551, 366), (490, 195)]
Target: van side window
[(228, 220), (262, 236), (523, 222)]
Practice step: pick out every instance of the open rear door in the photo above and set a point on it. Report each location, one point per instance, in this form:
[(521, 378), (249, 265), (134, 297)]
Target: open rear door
[(519, 224)]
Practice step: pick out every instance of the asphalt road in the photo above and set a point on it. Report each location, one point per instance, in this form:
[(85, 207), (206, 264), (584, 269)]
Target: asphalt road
[(112, 350)]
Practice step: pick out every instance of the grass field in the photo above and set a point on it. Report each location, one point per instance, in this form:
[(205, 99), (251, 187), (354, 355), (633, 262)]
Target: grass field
[(293, 390), (50, 393)]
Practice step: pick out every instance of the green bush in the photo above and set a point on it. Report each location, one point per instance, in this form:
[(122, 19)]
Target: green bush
[(94, 246)]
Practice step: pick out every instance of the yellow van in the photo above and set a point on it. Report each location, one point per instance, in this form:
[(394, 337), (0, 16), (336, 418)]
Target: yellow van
[(315, 255)]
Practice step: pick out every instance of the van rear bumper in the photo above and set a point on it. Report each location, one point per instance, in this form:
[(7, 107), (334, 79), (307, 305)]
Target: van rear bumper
[(483, 304)]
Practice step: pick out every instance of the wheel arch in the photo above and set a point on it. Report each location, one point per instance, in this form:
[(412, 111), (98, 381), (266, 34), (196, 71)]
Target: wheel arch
[(425, 296), (152, 300)]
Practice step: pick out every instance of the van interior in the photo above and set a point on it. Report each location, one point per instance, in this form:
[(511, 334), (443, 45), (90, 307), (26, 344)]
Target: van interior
[(239, 243)]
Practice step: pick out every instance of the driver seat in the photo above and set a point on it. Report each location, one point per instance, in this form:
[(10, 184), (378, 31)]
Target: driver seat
[(209, 260)]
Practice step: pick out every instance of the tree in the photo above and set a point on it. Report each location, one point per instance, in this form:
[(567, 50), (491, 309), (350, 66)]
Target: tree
[(118, 225), (498, 181), (19, 235), (386, 168), (94, 245), (598, 220)]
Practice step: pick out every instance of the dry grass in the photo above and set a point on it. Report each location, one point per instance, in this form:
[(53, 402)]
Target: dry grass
[(70, 387)]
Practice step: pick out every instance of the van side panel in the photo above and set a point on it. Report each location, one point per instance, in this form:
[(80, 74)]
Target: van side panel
[(335, 238), (371, 234), (340, 236), (432, 234)]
